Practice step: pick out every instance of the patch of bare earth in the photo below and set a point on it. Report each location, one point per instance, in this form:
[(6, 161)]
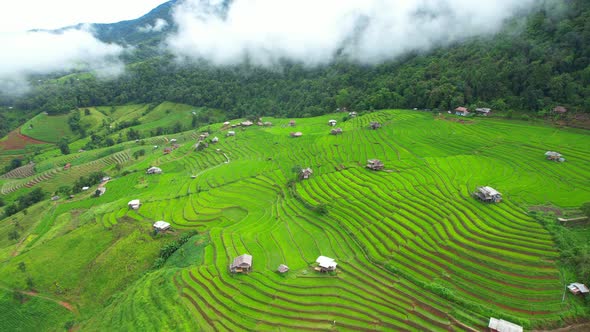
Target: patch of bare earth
[(17, 141)]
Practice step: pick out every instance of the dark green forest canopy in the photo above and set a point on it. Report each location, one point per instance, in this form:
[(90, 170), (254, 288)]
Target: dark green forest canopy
[(531, 66)]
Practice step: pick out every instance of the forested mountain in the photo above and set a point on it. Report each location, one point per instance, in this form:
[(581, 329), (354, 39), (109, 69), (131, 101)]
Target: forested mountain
[(534, 64)]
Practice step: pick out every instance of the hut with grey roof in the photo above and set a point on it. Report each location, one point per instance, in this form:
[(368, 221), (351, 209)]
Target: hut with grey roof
[(283, 268), (488, 194), (241, 264), (554, 156), (375, 164), (578, 289), (374, 125)]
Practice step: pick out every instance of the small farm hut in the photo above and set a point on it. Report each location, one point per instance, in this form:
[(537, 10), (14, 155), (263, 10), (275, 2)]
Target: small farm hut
[(292, 123), (296, 134), (241, 264), (305, 173), (54, 198), (578, 288), (134, 204), (483, 111), (555, 156), (85, 188), (100, 191), (352, 114), (336, 131), (462, 111), (500, 325), (246, 123), (161, 226), (560, 110), (325, 264), (332, 122), (374, 125), (67, 166), (226, 123), (154, 170), (173, 140), (167, 150), (283, 268), (488, 194), (375, 164), (267, 123), (215, 139), (231, 133)]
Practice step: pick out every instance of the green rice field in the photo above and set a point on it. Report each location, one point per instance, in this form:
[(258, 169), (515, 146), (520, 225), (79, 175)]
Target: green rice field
[(415, 250)]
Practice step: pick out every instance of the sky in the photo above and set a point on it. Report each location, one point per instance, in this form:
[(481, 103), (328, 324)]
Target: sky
[(19, 15)]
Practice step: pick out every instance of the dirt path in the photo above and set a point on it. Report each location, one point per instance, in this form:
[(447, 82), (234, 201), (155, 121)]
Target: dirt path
[(571, 328), (64, 304)]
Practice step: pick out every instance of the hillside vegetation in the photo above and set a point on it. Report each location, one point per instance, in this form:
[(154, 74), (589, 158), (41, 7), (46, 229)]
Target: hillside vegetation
[(536, 63), (415, 250)]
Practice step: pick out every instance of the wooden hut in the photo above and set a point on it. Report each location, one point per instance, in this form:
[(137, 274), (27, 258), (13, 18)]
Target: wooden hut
[(352, 114), (332, 122), (134, 204), (374, 125), (283, 268), (483, 111), (500, 325), (325, 264), (336, 131), (215, 139), (231, 133), (292, 123), (154, 170), (241, 264), (488, 194), (462, 111), (161, 226), (305, 173), (554, 156), (375, 164), (560, 110), (296, 134), (578, 289)]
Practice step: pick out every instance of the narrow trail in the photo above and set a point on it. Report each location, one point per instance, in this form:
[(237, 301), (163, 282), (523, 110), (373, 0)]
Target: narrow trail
[(64, 304)]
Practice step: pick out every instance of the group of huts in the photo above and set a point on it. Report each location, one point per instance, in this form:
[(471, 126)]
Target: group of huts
[(485, 111), (243, 264)]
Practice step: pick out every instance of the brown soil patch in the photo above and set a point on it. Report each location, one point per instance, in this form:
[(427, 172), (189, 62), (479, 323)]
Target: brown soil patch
[(17, 141)]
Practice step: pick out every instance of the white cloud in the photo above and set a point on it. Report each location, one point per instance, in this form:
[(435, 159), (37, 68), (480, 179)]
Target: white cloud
[(314, 32), (158, 26), (29, 53)]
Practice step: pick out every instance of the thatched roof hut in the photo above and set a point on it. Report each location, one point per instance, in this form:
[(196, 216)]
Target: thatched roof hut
[(296, 134)]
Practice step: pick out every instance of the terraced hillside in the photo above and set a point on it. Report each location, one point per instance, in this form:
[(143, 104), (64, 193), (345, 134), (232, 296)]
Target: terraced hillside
[(415, 250)]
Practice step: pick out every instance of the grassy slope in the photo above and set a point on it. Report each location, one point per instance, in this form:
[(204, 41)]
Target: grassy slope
[(48, 128), (452, 256)]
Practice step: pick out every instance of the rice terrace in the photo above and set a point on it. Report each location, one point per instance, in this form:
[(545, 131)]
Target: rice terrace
[(401, 242)]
